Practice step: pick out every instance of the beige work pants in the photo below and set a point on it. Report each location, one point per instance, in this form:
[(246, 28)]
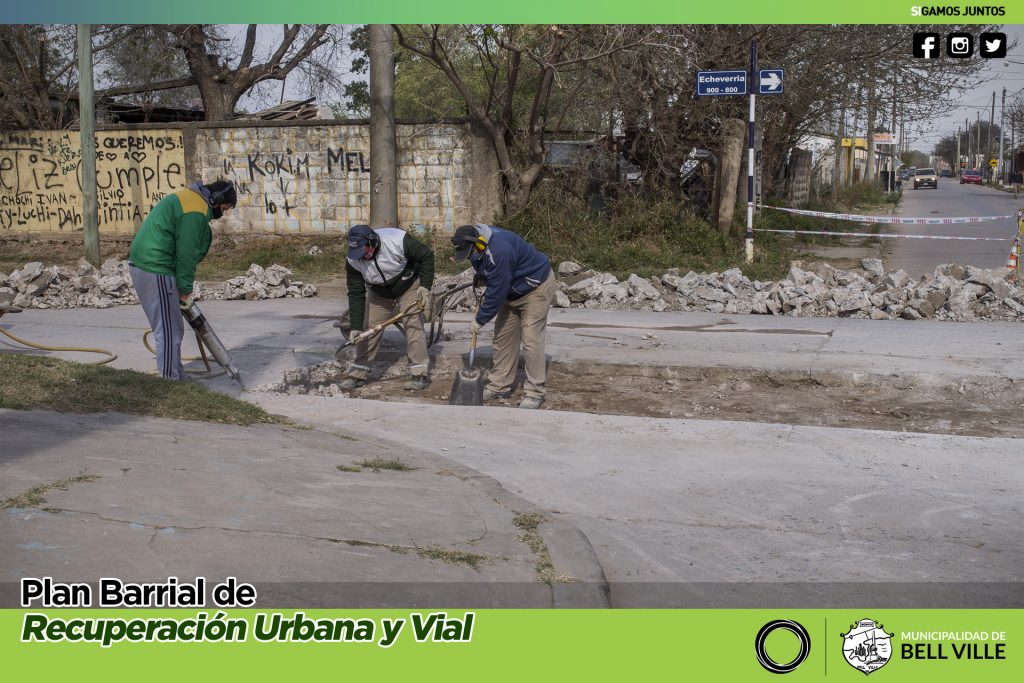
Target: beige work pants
[(378, 309), (522, 322)]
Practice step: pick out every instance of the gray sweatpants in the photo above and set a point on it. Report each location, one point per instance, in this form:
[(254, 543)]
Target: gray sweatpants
[(158, 295)]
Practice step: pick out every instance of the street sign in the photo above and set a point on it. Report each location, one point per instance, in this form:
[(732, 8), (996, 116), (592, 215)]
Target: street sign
[(993, 163), (721, 83), (883, 138), (770, 82)]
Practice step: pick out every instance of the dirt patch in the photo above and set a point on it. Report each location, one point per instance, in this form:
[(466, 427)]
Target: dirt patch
[(977, 407)]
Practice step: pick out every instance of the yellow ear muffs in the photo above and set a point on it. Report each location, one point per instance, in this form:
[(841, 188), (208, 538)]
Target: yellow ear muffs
[(481, 242)]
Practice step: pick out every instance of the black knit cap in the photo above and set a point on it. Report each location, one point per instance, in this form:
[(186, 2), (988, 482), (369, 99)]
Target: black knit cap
[(463, 240), (222, 192)]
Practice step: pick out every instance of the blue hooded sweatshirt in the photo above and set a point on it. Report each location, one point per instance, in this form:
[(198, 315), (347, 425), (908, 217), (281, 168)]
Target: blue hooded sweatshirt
[(512, 268)]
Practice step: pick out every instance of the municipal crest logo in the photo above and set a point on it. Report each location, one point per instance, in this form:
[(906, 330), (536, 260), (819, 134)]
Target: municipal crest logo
[(867, 647)]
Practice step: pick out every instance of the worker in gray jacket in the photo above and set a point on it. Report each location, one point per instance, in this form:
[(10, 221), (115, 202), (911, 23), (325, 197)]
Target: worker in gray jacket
[(388, 272)]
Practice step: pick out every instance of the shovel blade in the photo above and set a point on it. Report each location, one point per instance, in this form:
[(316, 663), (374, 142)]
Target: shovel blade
[(468, 388)]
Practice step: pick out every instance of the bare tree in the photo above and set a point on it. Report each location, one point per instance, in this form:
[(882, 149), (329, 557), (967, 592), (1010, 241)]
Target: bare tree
[(145, 68), (39, 73), (222, 83), (511, 59)]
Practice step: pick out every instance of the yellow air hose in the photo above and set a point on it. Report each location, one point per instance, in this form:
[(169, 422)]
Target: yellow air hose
[(77, 349)]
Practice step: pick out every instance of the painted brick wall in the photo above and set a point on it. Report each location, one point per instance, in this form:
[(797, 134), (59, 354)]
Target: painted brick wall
[(41, 183), (308, 177), (312, 179)]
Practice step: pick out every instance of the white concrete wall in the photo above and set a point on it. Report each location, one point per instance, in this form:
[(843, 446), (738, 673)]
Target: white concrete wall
[(317, 178)]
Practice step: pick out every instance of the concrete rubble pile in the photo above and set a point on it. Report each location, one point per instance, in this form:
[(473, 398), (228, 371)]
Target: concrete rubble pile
[(321, 380), (952, 292), (36, 286)]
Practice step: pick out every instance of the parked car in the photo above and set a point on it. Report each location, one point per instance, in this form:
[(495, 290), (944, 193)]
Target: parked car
[(946, 173), (925, 176), (971, 176)]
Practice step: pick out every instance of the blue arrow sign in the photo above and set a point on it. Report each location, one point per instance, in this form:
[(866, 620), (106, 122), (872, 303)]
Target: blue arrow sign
[(770, 82), (721, 83)]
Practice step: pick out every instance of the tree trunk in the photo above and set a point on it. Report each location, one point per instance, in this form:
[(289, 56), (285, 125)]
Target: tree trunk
[(733, 131)]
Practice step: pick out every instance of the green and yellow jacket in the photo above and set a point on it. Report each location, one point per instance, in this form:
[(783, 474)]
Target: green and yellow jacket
[(174, 238)]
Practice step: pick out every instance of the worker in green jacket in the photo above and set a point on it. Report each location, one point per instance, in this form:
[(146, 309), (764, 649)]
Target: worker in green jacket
[(173, 239), (388, 272)]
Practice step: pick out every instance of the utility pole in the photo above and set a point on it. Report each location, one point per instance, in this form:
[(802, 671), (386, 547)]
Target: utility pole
[(1001, 168), (956, 169), (87, 140), (837, 169), (892, 145), (870, 168), (967, 132), (852, 177), (383, 171), (903, 131), (991, 120), (977, 146)]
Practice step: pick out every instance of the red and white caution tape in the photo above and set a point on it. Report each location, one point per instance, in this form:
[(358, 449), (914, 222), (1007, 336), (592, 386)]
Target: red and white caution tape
[(893, 236), (891, 220)]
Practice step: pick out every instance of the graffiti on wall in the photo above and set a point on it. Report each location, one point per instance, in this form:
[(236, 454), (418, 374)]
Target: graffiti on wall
[(318, 179), (41, 179)]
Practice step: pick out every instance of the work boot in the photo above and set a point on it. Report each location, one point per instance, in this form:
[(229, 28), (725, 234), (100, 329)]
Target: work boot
[(351, 383), (417, 383), (491, 394), (531, 402)]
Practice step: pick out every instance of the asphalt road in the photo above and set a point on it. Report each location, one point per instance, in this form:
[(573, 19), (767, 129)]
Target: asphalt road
[(951, 199)]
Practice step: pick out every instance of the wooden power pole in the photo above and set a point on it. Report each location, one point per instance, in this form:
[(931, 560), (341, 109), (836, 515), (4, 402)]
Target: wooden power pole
[(87, 139), (383, 171)]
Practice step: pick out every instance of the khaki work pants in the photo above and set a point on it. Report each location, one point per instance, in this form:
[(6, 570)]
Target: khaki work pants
[(522, 322), (379, 309)]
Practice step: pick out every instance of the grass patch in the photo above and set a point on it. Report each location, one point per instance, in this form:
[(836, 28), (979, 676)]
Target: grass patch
[(36, 496), (15, 252), (456, 557), (641, 235), (230, 256), (530, 523), (378, 464), (349, 468), (35, 382)]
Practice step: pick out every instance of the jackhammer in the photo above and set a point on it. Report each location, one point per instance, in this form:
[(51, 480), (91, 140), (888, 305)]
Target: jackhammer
[(208, 338)]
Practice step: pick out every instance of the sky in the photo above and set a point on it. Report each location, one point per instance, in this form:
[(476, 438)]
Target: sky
[(1000, 73)]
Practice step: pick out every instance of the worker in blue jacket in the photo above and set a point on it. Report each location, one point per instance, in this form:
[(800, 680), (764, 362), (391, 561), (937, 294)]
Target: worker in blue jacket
[(520, 289)]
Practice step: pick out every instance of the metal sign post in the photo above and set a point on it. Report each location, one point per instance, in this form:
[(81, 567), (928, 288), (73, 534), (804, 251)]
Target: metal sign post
[(765, 82), (750, 157)]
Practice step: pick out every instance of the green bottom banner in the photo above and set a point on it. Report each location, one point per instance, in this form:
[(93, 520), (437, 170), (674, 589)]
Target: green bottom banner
[(733, 645)]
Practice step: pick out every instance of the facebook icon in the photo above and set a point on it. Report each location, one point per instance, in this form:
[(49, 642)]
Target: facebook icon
[(926, 45)]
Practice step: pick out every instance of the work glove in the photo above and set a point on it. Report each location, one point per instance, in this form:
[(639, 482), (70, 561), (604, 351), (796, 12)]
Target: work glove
[(474, 328), (185, 301), (423, 297), (353, 333)]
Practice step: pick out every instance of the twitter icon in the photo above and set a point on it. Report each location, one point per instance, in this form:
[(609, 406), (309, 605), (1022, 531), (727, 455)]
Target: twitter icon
[(993, 45)]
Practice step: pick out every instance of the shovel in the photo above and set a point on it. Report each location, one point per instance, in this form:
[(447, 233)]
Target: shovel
[(378, 328), (468, 385)]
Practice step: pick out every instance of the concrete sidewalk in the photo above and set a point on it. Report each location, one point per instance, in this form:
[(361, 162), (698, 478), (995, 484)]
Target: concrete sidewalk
[(268, 505), (706, 513), (698, 513), (269, 337)]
